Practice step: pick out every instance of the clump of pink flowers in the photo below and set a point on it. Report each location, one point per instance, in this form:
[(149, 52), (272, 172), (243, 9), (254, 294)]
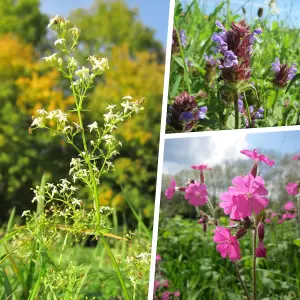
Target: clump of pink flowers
[(161, 284)]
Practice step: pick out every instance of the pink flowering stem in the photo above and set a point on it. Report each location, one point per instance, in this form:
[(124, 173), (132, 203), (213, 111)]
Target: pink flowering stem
[(241, 280)]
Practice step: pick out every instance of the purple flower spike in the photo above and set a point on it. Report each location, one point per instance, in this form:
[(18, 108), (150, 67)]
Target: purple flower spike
[(259, 114), (251, 109), (220, 25), (241, 104), (283, 73)]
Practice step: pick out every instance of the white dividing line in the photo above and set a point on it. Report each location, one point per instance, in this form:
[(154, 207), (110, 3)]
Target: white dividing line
[(230, 132), (161, 149)]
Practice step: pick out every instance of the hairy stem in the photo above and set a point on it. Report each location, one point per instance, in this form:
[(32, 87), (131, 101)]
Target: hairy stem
[(241, 280), (236, 111), (254, 263)]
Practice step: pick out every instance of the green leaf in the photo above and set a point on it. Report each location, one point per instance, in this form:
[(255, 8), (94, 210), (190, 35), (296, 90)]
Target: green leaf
[(292, 82), (7, 286), (179, 61), (297, 242), (175, 87)]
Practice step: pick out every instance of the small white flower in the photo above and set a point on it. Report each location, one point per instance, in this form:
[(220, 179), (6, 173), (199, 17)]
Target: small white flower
[(38, 122), (26, 213), (75, 31), (110, 106), (76, 201), (53, 21), (83, 73), (127, 98), (98, 64), (110, 115), (73, 63), (67, 129), (59, 42), (127, 106), (42, 112), (93, 126), (51, 59)]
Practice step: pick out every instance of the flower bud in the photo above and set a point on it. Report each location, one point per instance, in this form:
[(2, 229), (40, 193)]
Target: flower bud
[(240, 233), (261, 231), (261, 251), (260, 12)]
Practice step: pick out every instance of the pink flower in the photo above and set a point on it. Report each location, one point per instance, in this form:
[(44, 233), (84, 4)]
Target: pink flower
[(170, 191), (247, 195), (296, 157), (274, 214), (228, 245), (196, 193), (177, 294), (258, 157), (166, 283), (261, 251), (268, 221), (289, 206), (166, 295), (292, 188), (280, 221), (201, 167), (158, 257), (288, 216), (156, 285)]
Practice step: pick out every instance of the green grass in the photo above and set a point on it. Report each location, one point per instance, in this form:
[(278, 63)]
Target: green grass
[(194, 267)]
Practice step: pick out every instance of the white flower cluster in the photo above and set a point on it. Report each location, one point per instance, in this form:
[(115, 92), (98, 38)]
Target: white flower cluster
[(273, 7), (42, 115), (99, 64)]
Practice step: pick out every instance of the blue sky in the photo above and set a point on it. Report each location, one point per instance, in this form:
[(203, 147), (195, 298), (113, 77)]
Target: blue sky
[(289, 9), (181, 153), (153, 13)]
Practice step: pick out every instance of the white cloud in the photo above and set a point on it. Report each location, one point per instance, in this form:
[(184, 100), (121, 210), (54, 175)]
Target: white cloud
[(181, 153)]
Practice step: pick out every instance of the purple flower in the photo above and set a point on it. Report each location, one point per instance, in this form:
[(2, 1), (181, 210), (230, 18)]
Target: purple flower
[(276, 65), (241, 103), (202, 113), (220, 25), (236, 47), (210, 60), (259, 114), (186, 116), (283, 73), (230, 60), (253, 37), (183, 38)]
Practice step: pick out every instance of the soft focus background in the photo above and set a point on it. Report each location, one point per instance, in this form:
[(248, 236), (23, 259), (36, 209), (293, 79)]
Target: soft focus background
[(132, 34), (189, 260)]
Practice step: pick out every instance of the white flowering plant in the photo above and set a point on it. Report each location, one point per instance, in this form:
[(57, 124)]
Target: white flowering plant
[(62, 217)]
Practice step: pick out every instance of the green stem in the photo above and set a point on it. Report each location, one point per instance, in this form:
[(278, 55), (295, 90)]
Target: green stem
[(186, 74), (241, 280), (274, 103), (236, 111), (95, 194), (114, 262), (248, 111), (254, 264), (212, 211)]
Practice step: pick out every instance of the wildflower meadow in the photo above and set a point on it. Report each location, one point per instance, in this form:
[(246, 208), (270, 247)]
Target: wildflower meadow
[(230, 229), (231, 69), (78, 160)]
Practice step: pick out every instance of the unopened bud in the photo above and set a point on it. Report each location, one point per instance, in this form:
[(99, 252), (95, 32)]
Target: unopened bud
[(260, 12), (261, 231), (247, 223), (240, 233), (254, 170), (244, 10)]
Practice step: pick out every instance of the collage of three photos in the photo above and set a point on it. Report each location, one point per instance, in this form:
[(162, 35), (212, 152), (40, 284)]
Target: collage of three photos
[(149, 149)]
